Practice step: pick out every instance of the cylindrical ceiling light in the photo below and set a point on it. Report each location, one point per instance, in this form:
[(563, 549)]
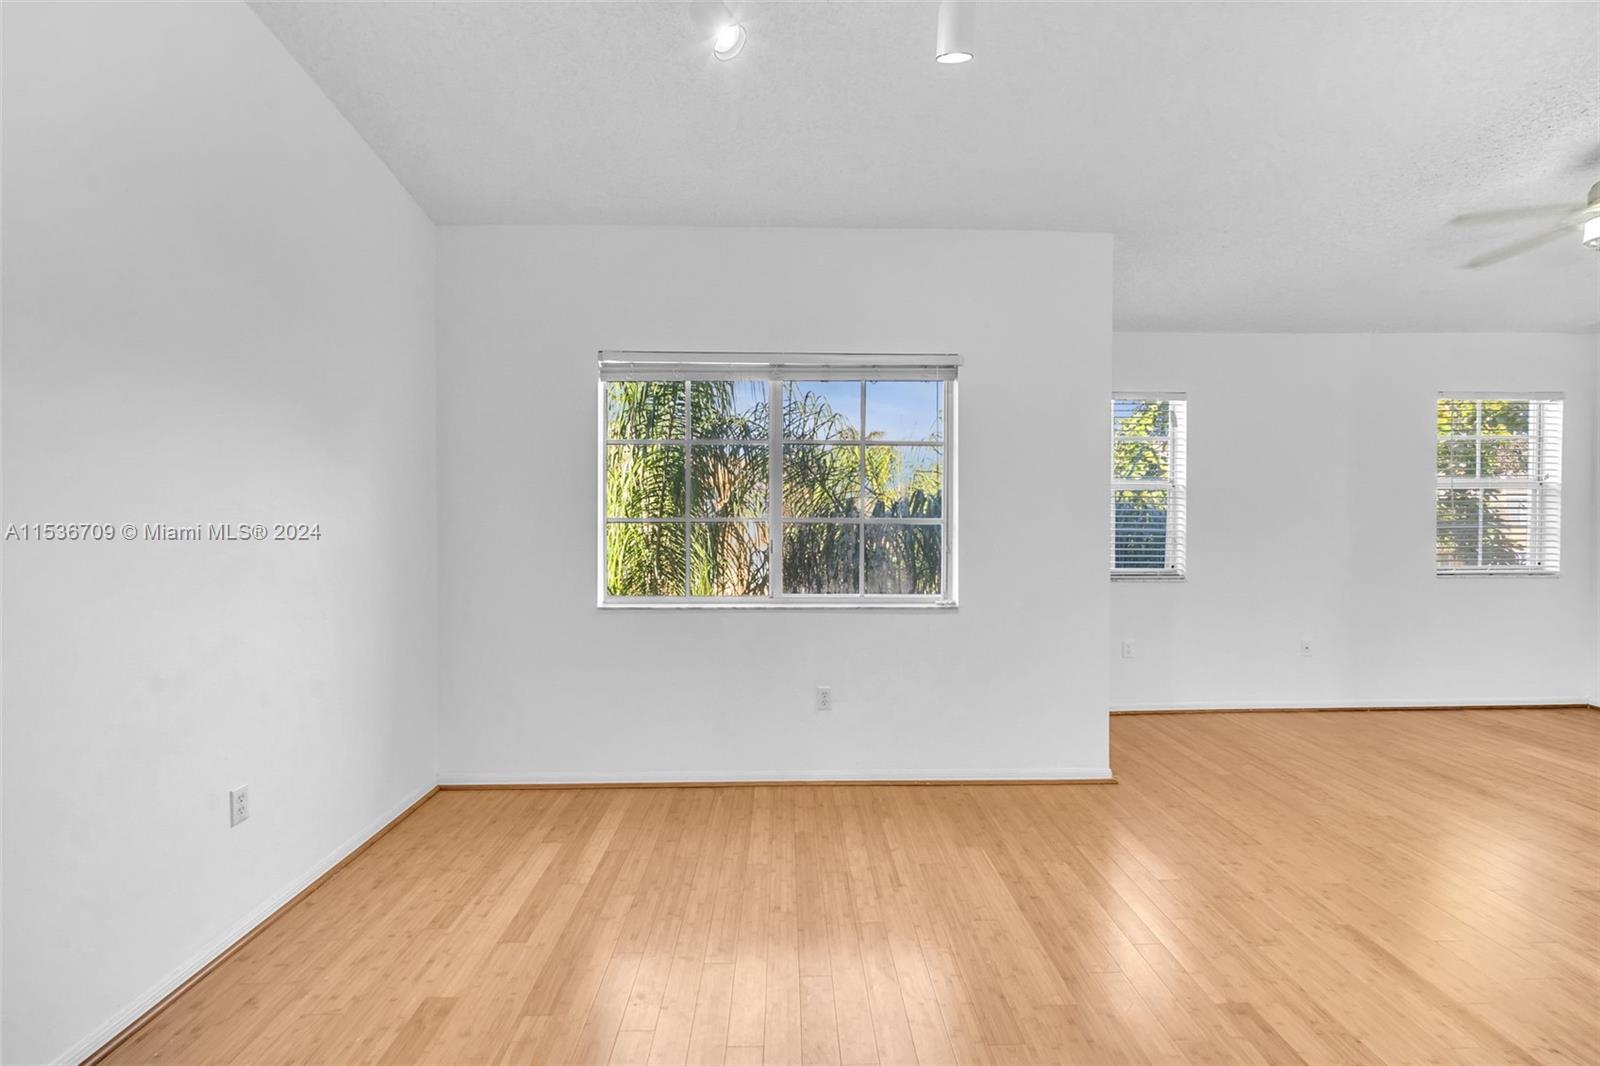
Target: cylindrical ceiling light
[(1591, 233), (726, 33), (958, 21)]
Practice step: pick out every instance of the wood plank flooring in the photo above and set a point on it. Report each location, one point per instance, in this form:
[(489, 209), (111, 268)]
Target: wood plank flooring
[(1412, 887)]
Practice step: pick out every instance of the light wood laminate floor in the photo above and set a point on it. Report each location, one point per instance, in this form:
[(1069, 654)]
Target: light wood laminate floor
[(1409, 887)]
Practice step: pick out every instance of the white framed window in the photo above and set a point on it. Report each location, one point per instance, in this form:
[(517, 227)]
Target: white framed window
[(744, 480), (1148, 487), (1498, 495)]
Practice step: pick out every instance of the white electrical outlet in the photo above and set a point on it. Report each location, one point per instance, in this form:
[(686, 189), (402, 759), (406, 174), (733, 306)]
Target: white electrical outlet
[(1305, 648), (824, 699), (1127, 649), (238, 805)]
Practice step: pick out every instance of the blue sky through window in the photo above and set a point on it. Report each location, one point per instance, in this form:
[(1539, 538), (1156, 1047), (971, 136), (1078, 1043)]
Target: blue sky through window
[(905, 410), (843, 398)]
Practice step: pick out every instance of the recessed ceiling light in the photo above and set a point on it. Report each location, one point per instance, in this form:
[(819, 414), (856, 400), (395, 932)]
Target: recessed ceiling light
[(721, 28), (728, 42), (958, 20)]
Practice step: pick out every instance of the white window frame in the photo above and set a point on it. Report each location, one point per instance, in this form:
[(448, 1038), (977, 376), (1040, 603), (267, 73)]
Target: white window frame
[(775, 369), (1176, 485), (1545, 439)]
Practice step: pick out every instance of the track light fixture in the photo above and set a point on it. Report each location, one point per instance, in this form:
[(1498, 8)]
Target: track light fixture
[(958, 20)]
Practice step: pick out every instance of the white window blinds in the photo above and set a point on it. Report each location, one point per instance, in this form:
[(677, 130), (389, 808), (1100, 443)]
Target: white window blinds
[(1148, 485), (1498, 496)]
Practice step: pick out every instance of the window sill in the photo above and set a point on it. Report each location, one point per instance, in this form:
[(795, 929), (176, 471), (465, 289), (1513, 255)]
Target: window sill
[(1507, 572), (1155, 575), (770, 605)]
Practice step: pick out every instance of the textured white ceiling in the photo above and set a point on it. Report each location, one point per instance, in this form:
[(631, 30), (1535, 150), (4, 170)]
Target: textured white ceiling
[(1263, 167)]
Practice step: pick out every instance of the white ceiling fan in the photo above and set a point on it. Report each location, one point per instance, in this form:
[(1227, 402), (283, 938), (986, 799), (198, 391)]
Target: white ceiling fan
[(1569, 217)]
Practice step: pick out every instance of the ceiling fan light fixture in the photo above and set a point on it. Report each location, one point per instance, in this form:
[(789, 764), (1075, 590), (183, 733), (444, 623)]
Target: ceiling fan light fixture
[(958, 21), (1591, 233)]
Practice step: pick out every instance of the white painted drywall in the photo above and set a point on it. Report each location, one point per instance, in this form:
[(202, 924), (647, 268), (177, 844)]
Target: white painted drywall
[(1311, 516), (1355, 129), (2, 589), (218, 308), (537, 683)]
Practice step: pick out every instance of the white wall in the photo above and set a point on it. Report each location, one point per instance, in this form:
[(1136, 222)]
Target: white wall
[(1311, 516), (218, 308), (537, 683), (2, 594), (2, 584)]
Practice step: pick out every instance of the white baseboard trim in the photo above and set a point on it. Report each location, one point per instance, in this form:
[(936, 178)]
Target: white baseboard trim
[(1346, 705), (458, 778), (131, 1013)]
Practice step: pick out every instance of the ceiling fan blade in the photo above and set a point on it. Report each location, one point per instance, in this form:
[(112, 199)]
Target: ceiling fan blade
[(1514, 214), (1526, 245)]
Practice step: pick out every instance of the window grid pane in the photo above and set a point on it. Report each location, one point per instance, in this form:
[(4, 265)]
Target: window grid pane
[(758, 507)]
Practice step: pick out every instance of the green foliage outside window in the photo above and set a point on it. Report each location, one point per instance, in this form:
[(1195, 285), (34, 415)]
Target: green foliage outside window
[(1484, 525), (832, 476)]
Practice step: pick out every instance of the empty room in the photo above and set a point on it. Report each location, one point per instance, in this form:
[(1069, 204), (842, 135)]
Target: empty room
[(800, 533)]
